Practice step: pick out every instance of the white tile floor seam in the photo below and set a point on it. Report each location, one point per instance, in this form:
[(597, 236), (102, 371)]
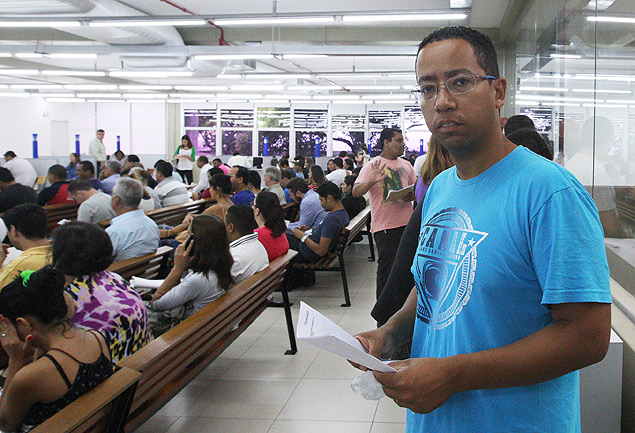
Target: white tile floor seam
[(253, 387)]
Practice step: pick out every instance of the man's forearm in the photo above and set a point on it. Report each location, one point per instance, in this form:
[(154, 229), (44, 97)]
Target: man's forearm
[(361, 188)]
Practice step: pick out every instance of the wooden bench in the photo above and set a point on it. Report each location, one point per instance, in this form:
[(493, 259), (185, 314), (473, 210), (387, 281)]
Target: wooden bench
[(173, 215), (148, 266), (171, 361), (103, 409), (291, 211), (349, 233), (57, 212)]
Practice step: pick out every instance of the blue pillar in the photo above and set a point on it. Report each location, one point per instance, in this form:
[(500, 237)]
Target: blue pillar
[(421, 147), (265, 146), (77, 144), (317, 147), (34, 145), (119, 142)]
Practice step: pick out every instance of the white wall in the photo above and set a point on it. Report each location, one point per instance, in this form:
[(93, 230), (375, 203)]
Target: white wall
[(142, 126)]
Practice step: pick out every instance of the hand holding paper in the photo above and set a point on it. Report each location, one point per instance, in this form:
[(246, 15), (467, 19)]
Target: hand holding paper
[(317, 330)]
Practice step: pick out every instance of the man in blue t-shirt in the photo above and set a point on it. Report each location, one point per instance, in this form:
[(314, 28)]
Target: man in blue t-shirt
[(512, 288), (239, 177)]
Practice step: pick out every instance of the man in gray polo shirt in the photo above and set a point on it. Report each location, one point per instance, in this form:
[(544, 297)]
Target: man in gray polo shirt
[(94, 206)]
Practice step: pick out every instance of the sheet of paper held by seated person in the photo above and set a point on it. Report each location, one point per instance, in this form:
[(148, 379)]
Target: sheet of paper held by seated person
[(317, 330)]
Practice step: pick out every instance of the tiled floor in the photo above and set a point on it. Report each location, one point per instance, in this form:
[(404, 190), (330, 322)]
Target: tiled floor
[(253, 387)]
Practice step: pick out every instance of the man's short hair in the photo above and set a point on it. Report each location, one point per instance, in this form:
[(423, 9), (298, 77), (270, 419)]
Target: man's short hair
[(88, 166), (483, 47), (387, 134), (101, 130), (115, 166), (532, 141), (130, 191), (298, 184), (518, 121), (29, 219), (342, 154), (242, 173), (242, 217), (10, 154), (132, 158), (350, 180), (254, 179), (164, 167), (79, 185), (339, 162), (329, 188), (286, 174), (217, 159), (283, 162), (203, 159), (236, 152), (273, 173), (58, 172), (5, 175)]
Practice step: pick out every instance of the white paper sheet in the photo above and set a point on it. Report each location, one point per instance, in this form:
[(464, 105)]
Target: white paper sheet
[(144, 283), (317, 330), (399, 194)]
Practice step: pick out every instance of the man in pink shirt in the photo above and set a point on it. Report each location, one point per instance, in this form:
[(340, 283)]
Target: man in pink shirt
[(218, 163), (389, 218)]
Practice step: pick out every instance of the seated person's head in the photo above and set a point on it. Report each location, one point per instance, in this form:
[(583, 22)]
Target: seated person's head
[(217, 162), (347, 185), (254, 180), (201, 161), (25, 222), (6, 178), (283, 163), (239, 221), (34, 303), (330, 195), (163, 169), (131, 161), (240, 177), (140, 174), (213, 171), (517, 122), (342, 154), (271, 175), (86, 170), (316, 175), (348, 164), (268, 210), (126, 194), (339, 162), (297, 188), (220, 185), (80, 248), (209, 234), (285, 177), (112, 168), (57, 173), (9, 155), (80, 190), (533, 141)]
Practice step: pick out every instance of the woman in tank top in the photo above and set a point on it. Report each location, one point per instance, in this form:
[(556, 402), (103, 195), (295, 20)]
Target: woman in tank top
[(51, 362)]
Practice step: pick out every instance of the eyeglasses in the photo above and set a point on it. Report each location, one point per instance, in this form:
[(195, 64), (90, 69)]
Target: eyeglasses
[(455, 85)]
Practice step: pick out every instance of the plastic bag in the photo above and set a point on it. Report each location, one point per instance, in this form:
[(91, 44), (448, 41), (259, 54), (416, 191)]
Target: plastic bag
[(367, 386)]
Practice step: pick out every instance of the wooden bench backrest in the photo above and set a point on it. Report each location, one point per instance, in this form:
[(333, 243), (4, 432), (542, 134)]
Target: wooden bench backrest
[(173, 215), (145, 267), (57, 212), (291, 211), (172, 360), (357, 224), (103, 409)]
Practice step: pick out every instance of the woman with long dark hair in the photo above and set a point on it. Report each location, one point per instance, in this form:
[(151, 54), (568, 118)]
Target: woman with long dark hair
[(70, 360), (71, 168), (271, 226), (207, 258), (185, 155), (316, 177)]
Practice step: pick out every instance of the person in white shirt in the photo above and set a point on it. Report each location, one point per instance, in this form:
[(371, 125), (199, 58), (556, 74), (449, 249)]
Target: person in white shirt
[(97, 149), (169, 190), (239, 159), (250, 256), (204, 166), (21, 169), (337, 176)]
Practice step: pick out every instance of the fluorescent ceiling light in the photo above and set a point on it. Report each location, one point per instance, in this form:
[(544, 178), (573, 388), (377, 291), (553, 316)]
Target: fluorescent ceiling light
[(312, 88), (19, 72), (621, 101), (13, 95), (65, 100), (75, 73), (90, 86), (280, 21), (277, 76), (256, 87), (233, 56), (147, 101), (145, 95), (609, 19), (294, 97), (229, 76), (29, 55), (341, 101), (372, 87), (527, 103), (55, 24), (394, 101), (146, 23), (105, 100), (407, 17), (202, 88), (192, 95), (71, 56), (615, 92), (606, 105), (302, 56), (54, 95), (4, 86), (181, 101), (347, 97), (565, 56), (555, 98), (99, 95), (560, 104), (148, 74), (404, 96), (543, 89), (5, 54), (143, 87), (243, 96), (36, 86)]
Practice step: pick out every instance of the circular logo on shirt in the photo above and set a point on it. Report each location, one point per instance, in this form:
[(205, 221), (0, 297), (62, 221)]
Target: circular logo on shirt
[(445, 265)]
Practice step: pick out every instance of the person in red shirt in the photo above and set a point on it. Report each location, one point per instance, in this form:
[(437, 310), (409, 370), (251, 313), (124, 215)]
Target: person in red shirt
[(57, 193), (271, 226)]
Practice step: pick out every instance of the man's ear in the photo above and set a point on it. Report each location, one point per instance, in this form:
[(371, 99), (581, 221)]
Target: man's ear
[(230, 227), (500, 89)]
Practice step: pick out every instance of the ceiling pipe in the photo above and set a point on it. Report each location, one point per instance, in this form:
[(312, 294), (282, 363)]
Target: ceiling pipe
[(221, 40)]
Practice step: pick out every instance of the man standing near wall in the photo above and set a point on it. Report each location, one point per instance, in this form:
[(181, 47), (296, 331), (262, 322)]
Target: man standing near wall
[(389, 218), (98, 150), (512, 287)]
